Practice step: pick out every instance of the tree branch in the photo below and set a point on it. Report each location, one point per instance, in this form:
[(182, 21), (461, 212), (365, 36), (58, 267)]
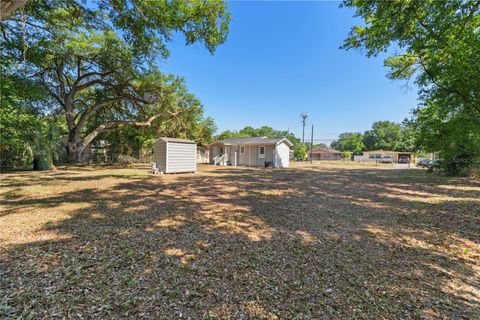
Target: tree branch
[(114, 124), (89, 112), (50, 91)]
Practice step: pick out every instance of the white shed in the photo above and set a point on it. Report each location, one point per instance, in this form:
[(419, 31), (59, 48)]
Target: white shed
[(175, 155)]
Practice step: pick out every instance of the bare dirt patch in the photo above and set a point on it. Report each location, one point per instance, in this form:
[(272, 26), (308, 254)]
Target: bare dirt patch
[(313, 241)]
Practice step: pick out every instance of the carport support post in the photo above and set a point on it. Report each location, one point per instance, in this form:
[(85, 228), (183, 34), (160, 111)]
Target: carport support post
[(311, 147)]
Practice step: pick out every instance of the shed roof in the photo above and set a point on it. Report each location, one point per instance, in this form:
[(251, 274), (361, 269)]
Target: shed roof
[(253, 141), (165, 139)]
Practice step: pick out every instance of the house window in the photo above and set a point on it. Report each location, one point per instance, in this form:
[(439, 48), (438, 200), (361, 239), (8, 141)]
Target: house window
[(375, 156), (242, 150), (261, 152)]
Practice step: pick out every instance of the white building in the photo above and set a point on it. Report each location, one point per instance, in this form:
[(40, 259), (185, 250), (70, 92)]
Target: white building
[(254, 152)]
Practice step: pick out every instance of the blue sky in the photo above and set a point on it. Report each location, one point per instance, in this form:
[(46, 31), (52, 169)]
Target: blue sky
[(283, 58)]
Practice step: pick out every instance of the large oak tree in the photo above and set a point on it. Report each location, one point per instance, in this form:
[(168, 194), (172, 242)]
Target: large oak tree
[(96, 57)]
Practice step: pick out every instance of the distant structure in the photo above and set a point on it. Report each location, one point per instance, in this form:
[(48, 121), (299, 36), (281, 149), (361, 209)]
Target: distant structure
[(304, 116)]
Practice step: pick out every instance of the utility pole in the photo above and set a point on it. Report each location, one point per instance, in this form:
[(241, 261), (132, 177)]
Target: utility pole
[(304, 116), (311, 147)]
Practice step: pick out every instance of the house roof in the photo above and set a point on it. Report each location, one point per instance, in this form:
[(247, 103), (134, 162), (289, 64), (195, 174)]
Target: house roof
[(165, 139), (253, 141), (322, 150)]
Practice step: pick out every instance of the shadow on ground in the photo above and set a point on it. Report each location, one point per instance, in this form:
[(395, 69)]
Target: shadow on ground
[(243, 243)]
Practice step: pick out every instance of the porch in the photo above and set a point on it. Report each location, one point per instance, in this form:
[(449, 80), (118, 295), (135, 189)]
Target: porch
[(241, 155)]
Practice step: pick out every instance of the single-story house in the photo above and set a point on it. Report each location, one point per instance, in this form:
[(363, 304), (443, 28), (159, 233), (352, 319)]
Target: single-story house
[(254, 152), (173, 155), (376, 155), (324, 154)]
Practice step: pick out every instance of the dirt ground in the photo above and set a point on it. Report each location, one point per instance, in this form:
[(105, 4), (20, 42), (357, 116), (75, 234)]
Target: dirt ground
[(322, 241)]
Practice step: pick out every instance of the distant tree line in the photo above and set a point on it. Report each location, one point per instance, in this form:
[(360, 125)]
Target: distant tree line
[(384, 135)]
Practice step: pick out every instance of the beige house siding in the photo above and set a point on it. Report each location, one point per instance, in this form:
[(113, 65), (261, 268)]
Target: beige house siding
[(251, 155), (243, 157), (229, 152)]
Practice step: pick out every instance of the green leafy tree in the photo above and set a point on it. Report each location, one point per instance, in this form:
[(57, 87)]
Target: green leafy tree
[(24, 133), (300, 151), (349, 142), (99, 61), (384, 135), (389, 135), (436, 43), (182, 121), (460, 135), (44, 143), (227, 134), (347, 155)]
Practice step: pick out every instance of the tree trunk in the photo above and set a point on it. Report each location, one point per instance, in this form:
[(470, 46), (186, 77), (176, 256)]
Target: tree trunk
[(76, 145), (36, 163), (74, 151)]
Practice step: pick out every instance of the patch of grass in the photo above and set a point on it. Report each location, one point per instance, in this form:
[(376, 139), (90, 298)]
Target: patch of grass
[(328, 240)]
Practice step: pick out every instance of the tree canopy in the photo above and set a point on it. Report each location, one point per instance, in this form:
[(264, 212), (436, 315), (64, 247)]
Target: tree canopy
[(384, 135), (98, 61), (349, 142), (436, 43), (387, 135)]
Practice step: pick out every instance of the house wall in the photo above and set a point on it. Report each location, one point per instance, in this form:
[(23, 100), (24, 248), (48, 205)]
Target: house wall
[(253, 155), (181, 157), (159, 155), (330, 156), (230, 150), (278, 156), (214, 151), (243, 157), (394, 155), (249, 158), (282, 155), (358, 158)]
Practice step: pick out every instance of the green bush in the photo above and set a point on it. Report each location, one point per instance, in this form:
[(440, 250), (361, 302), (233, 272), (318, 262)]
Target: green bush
[(125, 160)]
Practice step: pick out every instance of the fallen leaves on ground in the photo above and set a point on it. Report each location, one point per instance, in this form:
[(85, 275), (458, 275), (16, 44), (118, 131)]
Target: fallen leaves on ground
[(323, 241)]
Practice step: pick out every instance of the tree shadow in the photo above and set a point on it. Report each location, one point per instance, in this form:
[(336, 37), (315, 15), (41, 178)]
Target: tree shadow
[(248, 243)]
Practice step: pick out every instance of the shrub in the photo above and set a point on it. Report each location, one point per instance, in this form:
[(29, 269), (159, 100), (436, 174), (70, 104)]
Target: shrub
[(125, 160)]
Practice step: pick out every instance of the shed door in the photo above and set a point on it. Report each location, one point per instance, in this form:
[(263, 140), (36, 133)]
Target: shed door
[(181, 157)]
